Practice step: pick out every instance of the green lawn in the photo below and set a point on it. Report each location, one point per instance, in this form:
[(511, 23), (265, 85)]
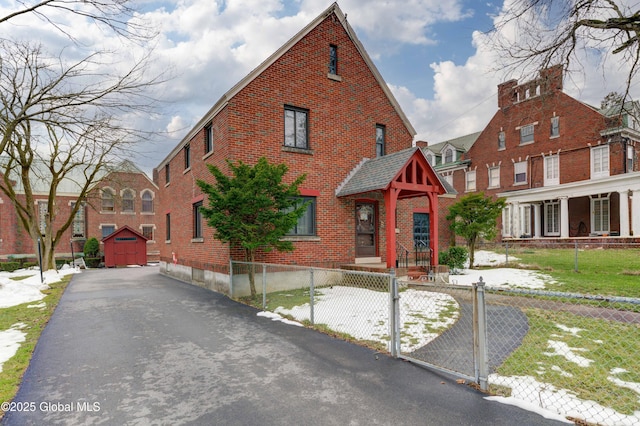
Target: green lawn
[(611, 347), (608, 272), (35, 320)]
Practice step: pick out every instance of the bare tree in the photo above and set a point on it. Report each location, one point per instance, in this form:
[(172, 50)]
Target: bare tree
[(549, 32), (59, 122), (116, 16)]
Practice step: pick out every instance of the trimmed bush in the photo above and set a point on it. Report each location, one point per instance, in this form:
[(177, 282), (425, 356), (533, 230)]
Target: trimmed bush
[(455, 258), (9, 266), (91, 247)]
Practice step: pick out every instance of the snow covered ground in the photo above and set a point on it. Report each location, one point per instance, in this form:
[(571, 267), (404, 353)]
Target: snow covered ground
[(13, 293)]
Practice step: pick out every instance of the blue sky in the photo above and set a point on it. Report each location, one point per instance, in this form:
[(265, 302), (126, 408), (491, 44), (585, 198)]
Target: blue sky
[(433, 54)]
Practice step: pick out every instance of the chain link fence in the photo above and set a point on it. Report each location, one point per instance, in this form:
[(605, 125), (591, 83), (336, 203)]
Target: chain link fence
[(574, 354)]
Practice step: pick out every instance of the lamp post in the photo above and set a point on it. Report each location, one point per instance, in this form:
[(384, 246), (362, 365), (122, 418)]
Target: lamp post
[(40, 261)]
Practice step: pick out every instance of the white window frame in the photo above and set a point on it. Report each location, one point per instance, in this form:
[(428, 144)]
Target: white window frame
[(448, 178), (600, 161), (555, 127), (519, 168), (527, 134), (552, 170), (449, 152), (470, 180), (494, 180), (600, 214), (552, 218)]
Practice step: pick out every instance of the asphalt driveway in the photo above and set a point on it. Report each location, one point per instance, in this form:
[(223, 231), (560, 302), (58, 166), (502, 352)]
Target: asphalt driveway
[(129, 346)]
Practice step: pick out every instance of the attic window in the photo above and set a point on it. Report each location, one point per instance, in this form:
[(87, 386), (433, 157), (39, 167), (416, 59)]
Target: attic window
[(448, 155), (333, 63), (333, 59)]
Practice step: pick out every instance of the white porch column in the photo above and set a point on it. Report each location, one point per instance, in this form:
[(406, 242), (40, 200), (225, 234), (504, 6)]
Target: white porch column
[(635, 212), (515, 217), (564, 217), (537, 222), (624, 213)]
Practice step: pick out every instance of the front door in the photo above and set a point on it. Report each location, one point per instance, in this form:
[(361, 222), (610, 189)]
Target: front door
[(366, 230)]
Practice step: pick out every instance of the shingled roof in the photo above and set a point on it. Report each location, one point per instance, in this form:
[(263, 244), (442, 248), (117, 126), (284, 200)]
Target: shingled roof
[(377, 174)]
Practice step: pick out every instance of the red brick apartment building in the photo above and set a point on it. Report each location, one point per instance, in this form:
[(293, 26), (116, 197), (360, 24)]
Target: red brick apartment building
[(319, 105), (124, 196), (566, 169)]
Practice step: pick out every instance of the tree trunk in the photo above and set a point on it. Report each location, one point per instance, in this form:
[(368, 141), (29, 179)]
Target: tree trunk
[(250, 256), (472, 252)]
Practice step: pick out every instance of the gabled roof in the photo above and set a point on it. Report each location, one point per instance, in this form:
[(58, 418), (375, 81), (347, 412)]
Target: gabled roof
[(73, 182), (378, 173), (461, 143), (223, 101), (121, 230)]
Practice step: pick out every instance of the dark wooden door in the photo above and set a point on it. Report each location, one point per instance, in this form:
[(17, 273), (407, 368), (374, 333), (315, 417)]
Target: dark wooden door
[(366, 230)]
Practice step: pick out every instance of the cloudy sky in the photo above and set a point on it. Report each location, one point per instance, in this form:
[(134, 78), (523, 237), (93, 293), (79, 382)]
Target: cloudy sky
[(434, 55)]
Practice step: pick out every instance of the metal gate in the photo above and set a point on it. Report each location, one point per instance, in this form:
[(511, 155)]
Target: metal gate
[(446, 316)]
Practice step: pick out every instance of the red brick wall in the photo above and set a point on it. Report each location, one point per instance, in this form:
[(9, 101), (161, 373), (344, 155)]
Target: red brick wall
[(580, 127), (118, 182), (342, 119)]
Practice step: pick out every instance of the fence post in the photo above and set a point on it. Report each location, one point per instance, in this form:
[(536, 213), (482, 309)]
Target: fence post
[(311, 296), (480, 336), (231, 278), (506, 251), (394, 315), (575, 261), (264, 286)]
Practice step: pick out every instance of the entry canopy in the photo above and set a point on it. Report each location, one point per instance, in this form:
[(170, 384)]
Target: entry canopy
[(407, 170)]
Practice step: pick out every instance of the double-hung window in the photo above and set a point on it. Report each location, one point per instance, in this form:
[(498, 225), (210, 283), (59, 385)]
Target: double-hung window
[(127, 201), (552, 170), (502, 141), (306, 225), (494, 177), (147, 201), (520, 172), (296, 132), (470, 181), (555, 127), (600, 161), (526, 134), (108, 204)]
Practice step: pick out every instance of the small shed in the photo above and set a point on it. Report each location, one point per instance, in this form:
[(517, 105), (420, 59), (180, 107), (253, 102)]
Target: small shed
[(125, 247)]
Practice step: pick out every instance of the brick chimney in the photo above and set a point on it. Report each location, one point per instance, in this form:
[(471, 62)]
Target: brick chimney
[(422, 144), (551, 79), (506, 93)]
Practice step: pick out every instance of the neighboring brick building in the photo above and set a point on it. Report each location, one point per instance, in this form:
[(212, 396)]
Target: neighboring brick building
[(132, 202), (565, 168), (319, 105)]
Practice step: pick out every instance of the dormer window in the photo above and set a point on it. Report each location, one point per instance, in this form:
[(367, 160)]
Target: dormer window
[(449, 156)]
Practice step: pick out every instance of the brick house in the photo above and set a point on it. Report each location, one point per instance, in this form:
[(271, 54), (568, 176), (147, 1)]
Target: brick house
[(566, 169), (319, 105), (124, 196)]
